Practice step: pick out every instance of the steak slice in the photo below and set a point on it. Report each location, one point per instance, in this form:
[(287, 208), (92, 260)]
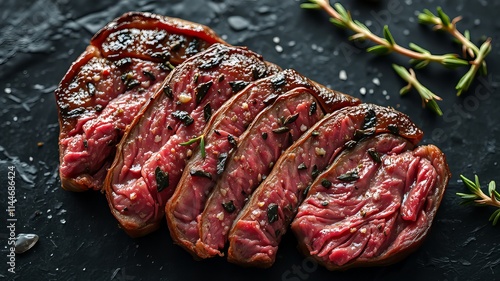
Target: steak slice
[(107, 85), (379, 216), (272, 131), (150, 158), (256, 233), (228, 123)]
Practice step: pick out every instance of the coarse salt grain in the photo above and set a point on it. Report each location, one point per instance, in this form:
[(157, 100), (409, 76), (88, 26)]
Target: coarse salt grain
[(320, 151), (220, 216), (184, 98), (133, 195), (342, 75)]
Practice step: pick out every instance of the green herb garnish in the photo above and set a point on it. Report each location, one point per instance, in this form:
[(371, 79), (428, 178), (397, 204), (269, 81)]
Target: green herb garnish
[(479, 198), (200, 139), (419, 57)]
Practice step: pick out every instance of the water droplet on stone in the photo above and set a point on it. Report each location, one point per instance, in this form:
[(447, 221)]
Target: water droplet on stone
[(278, 48), (376, 81), (276, 40), (362, 90), (24, 242), (238, 23), (263, 9)]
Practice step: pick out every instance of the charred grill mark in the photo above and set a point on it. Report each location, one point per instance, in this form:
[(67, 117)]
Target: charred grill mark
[(232, 140), (221, 163), (290, 119), (212, 62), (313, 108), (237, 86), (272, 212), (202, 90), (374, 155), (258, 73), (278, 80), (123, 62), (200, 173), (350, 144), (370, 120), (270, 99), (229, 206), (91, 88), (193, 47), (349, 176), (281, 130), (168, 91), (162, 180), (393, 129), (183, 116), (149, 75)]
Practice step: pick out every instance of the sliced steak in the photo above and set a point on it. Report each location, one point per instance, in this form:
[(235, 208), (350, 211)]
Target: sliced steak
[(377, 216), (150, 159), (225, 128), (107, 85), (257, 231), (272, 131)]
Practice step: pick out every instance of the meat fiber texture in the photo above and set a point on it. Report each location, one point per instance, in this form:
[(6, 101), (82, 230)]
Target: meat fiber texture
[(364, 194), (107, 85), (257, 231), (373, 205), (152, 155), (221, 136)]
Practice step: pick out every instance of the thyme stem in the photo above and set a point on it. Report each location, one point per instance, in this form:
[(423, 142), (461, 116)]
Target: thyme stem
[(342, 18)]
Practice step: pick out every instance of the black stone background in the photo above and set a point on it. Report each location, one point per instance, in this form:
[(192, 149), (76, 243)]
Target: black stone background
[(79, 238)]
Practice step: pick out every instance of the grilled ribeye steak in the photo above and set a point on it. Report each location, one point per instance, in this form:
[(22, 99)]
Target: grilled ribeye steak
[(152, 155), (273, 130), (374, 205), (221, 137), (256, 233), (107, 85)]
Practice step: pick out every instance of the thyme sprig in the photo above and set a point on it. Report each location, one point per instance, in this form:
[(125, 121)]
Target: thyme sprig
[(342, 18), (441, 21), (428, 98), (479, 198), (419, 57), (200, 139)]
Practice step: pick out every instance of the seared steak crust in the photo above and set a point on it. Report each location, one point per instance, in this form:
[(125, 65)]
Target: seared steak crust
[(152, 155), (107, 85)]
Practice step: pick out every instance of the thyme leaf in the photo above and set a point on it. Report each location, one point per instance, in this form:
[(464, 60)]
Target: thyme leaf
[(200, 139)]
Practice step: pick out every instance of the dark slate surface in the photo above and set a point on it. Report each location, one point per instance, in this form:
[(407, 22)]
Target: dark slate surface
[(80, 240)]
